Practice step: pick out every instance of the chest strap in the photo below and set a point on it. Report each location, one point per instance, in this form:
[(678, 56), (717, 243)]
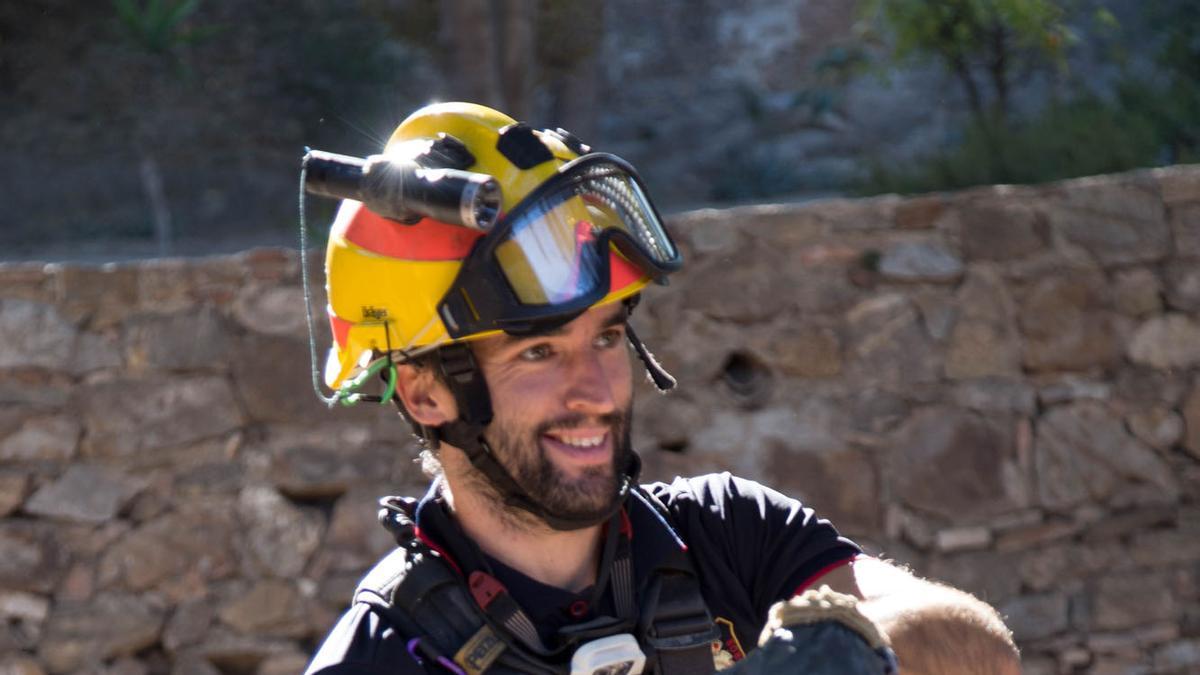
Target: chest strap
[(477, 625)]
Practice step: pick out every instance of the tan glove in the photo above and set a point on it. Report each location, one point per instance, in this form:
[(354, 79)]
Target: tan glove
[(820, 632)]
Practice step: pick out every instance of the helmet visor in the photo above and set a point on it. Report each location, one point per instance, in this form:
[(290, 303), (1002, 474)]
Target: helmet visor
[(554, 248), (552, 255)]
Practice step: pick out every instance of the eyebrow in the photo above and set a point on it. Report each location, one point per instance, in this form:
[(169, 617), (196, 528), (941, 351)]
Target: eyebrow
[(618, 317)]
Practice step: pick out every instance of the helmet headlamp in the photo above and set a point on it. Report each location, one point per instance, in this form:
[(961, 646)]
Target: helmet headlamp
[(403, 189)]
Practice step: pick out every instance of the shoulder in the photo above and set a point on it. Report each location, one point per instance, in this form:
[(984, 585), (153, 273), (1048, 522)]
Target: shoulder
[(721, 494), (362, 643), (367, 639), (751, 522)]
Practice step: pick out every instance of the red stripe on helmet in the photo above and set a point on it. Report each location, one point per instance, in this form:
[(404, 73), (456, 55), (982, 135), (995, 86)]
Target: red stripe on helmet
[(427, 240), (340, 328), (622, 272)]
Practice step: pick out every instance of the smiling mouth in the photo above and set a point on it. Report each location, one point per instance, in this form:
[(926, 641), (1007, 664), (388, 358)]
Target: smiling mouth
[(580, 441), (588, 446)]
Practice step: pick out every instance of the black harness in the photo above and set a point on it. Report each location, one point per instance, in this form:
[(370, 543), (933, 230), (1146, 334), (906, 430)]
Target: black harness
[(456, 614)]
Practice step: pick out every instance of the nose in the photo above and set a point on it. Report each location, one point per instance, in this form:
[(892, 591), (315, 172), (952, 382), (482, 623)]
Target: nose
[(589, 387)]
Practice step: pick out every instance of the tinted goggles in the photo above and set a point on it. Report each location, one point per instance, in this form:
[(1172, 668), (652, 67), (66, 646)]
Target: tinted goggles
[(552, 256)]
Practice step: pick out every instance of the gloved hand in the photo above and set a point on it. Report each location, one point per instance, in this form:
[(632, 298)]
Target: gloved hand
[(819, 633)]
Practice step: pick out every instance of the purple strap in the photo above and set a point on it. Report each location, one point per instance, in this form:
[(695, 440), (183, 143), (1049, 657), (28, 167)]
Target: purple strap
[(417, 645), (413, 644)]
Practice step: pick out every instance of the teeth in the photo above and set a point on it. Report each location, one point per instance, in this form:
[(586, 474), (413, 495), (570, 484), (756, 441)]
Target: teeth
[(582, 442)]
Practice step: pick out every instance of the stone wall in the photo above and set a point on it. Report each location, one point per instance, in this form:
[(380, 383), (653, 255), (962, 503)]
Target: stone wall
[(1000, 387)]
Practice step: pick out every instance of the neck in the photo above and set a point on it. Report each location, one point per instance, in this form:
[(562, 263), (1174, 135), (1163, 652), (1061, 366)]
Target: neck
[(564, 559)]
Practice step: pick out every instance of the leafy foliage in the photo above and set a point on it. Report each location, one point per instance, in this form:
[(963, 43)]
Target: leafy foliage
[(959, 29), (978, 41), (1174, 107), (1084, 137), (831, 72), (1139, 123), (158, 25)]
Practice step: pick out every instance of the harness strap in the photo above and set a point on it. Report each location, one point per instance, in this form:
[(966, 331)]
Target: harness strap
[(681, 632), (495, 601), (419, 592)]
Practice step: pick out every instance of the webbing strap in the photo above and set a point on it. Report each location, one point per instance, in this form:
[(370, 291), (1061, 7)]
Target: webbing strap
[(503, 609), (695, 661), (676, 628), (681, 630), (421, 596), (623, 587)]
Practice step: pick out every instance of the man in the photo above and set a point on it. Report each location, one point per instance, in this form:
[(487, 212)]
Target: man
[(505, 346)]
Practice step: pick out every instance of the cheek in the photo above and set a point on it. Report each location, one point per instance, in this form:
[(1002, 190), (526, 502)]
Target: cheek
[(620, 370), (525, 396)]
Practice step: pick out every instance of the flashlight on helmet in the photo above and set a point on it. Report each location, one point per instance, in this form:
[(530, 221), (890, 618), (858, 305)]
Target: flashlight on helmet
[(403, 190)]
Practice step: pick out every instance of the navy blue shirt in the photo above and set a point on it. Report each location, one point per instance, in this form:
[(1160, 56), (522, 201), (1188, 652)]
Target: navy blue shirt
[(750, 546)]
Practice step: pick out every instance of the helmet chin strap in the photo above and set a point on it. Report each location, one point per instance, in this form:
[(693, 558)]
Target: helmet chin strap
[(465, 380), (658, 375)]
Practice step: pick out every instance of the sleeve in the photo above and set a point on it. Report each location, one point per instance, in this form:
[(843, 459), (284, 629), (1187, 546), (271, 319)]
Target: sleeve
[(362, 643), (748, 534)]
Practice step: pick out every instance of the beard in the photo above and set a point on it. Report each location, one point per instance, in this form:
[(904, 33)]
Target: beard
[(592, 494)]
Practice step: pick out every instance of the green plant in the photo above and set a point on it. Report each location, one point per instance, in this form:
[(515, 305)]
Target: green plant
[(982, 43), (158, 25), (1172, 110), (1083, 137), (1142, 122), (824, 92), (1174, 106)]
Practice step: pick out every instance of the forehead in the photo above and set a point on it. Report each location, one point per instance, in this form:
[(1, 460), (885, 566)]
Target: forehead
[(595, 318)]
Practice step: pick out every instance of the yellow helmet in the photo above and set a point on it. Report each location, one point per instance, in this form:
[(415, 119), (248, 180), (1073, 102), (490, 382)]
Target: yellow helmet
[(575, 230)]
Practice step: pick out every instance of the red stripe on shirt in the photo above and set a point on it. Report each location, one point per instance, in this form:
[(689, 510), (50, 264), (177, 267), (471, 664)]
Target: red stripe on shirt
[(822, 572), (441, 551)]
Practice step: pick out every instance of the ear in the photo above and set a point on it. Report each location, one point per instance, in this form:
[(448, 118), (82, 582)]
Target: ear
[(427, 400)]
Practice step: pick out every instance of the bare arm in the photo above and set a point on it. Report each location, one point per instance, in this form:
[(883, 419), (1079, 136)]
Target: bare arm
[(933, 628)]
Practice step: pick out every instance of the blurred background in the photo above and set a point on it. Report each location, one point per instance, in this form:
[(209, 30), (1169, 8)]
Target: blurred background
[(999, 386), (133, 128)]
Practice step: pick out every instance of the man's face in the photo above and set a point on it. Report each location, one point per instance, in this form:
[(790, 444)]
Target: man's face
[(561, 403)]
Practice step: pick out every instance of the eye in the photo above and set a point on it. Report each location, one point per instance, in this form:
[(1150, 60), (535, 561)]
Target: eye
[(609, 338), (538, 352)]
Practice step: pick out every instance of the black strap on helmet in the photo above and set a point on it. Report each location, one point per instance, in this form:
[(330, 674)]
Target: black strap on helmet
[(658, 375)]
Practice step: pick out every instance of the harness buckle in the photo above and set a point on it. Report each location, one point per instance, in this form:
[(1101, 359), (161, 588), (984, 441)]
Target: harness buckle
[(485, 588)]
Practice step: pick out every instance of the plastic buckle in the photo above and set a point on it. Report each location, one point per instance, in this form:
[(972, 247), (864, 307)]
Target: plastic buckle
[(458, 363), (447, 152), (613, 655), (520, 146), (485, 588)]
